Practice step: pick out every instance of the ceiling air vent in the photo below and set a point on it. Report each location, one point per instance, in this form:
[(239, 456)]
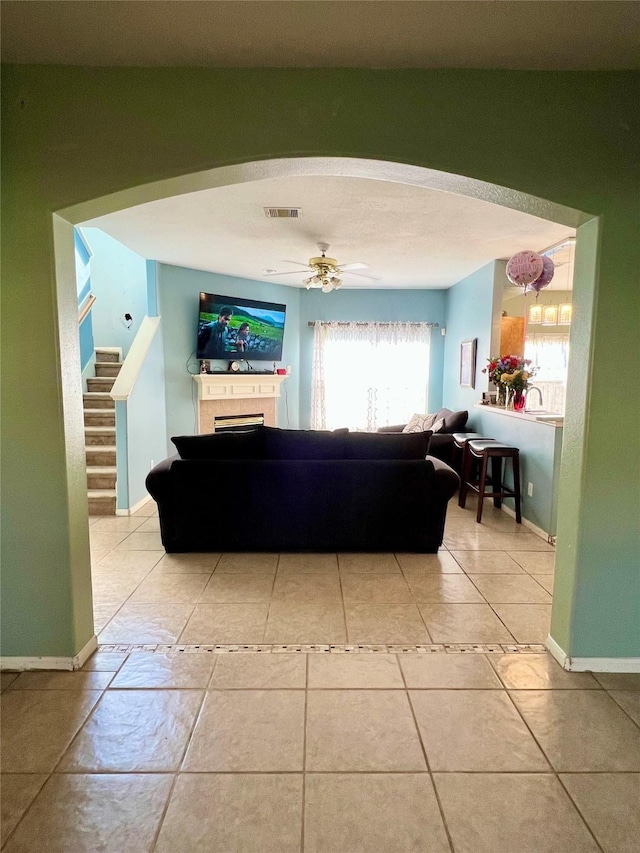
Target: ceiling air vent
[(283, 212)]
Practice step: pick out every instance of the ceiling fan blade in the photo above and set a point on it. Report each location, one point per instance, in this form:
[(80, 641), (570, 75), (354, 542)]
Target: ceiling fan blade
[(288, 272), (345, 267), (299, 263), (363, 275)]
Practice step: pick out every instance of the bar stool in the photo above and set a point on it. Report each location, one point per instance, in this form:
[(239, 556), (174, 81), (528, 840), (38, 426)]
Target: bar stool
[(460, 440), (485, 450)]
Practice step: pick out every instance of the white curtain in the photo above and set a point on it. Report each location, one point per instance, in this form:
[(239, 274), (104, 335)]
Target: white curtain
[(367, 375), (550, 354)]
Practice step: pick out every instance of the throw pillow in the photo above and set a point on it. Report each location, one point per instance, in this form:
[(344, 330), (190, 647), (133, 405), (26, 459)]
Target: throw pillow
[(420, 423), (438, 426), (247, 444)]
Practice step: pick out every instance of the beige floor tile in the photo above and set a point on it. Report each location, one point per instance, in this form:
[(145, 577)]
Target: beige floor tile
[(545, 581), (167, 588), (375, 589), (487, 562), (248, 730), (255, 563), (128, 561), (38, 725), (529, 623), (448, 671), (373, 563), (147, 623), (539, 672), (105, 540), (103, 614), (7, 678), (18, 792), (496, 812), (260, 671), (363, 812), (141, 542), (385, 623), (581, 730), (619, 680), (514, 589), (361, 730), (464, 623), (220, 813), (113, 589), (354, 671), (241, 588), (186, 564), (134, 731), (609, 804), (629, 701), (106, 814), (475, 540), (307, 563), (538, 563), (320, 622), (440, 563), (62, 681), (96, 556), (521, 540), (226, 623), (158, 670), (442, 588), (147, 509), (151, 525), (105, 662), (117, 524), (307, 588), (474, 730)]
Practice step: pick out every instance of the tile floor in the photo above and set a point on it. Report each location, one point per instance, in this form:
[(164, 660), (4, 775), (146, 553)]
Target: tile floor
[(270, 752)]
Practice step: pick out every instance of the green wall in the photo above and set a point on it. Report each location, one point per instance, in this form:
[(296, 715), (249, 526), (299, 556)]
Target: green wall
[(71, 135)]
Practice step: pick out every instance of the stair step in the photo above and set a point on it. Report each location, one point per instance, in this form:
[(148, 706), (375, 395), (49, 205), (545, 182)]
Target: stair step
[(100, 383), (102, 501), (101, 477), (98, 400), (107, 369), (100, 435), (108, 354), (100, 455), (100, 417)]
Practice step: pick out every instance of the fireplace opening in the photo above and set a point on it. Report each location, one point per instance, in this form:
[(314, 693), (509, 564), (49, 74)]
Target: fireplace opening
[(237, 423)]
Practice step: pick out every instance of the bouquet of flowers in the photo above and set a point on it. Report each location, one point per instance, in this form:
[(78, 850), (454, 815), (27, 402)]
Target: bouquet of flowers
[(510, 371)]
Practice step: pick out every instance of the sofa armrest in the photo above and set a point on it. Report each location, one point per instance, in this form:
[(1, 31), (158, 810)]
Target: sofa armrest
[(446, 477), (158, 483)]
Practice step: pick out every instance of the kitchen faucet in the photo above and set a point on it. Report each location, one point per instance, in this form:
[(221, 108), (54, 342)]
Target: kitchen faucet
[(534, 388)]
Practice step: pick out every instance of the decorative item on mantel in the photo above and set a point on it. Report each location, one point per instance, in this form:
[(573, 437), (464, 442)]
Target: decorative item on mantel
[(510, 374)]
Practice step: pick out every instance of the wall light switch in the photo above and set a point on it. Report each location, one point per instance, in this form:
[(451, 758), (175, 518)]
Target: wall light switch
[(530, 490)]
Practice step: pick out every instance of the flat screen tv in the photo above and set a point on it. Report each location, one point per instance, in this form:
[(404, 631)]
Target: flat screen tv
[(230, 327)]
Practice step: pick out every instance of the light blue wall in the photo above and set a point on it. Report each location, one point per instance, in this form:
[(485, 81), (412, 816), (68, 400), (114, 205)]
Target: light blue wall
[(119, 283), (427, 306), (178, 291), (469, 314)]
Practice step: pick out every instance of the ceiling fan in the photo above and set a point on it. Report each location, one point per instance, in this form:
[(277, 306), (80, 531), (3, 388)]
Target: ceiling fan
[(325, 272)]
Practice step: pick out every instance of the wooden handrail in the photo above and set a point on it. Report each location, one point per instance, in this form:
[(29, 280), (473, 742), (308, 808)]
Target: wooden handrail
[(86, 307)]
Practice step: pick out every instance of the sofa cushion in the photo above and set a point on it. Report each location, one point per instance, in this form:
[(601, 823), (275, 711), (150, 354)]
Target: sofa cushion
[(419, 423), (303, 444), (247, 444), (453, 421), (380, 445)]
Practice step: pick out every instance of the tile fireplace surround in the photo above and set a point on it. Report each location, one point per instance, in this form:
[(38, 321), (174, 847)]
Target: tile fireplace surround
[(236, 394)]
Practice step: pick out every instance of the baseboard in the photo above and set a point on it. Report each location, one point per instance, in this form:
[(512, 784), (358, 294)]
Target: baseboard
[(531, 526), (19, 664), (591, 664), (135, 508)]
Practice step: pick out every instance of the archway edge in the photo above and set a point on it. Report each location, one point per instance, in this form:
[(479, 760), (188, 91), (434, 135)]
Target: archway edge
[(353, 167)]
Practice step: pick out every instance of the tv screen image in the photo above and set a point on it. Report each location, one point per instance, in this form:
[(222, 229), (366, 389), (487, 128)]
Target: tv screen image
[(231, 327)]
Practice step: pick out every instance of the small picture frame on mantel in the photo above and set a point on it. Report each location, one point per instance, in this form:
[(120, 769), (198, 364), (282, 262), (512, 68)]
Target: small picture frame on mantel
[(468, 363)]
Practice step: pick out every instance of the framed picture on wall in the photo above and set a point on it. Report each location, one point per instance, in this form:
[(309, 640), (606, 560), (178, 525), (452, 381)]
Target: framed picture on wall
[(468, 363)]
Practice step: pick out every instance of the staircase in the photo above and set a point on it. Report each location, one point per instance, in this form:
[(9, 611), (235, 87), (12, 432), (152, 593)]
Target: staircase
[(100, 432)]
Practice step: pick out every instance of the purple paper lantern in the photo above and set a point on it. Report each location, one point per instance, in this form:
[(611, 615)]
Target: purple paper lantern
[(524, 268)]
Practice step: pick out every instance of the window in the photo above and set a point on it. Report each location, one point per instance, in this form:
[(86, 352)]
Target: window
[(367, 375)]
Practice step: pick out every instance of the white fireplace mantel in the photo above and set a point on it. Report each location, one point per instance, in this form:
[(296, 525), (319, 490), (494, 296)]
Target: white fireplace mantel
[(236, 394)]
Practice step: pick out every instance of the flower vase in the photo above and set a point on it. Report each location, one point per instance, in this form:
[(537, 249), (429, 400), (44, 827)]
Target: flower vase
[(509, 401), (501, 395), (518, 401)]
